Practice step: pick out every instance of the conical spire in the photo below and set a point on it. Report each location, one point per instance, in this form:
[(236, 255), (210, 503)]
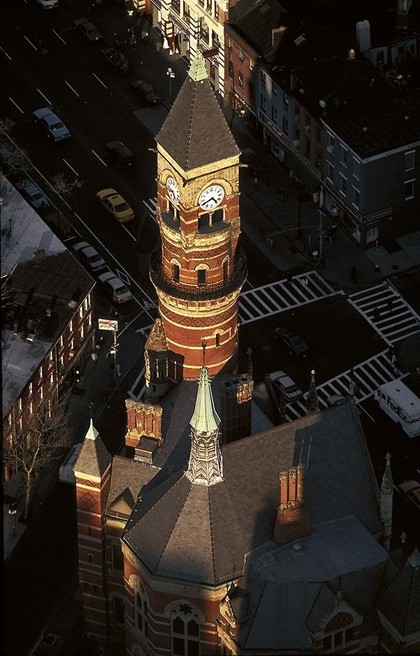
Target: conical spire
[(312, 401), (197, 70), (205, 418), (205, 463), (92, 433)]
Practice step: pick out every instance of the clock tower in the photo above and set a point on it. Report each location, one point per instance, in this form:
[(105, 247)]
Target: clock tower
[(199, 269)]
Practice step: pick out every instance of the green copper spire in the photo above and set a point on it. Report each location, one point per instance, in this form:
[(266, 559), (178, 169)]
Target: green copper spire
[(197, 70), (205, 418)]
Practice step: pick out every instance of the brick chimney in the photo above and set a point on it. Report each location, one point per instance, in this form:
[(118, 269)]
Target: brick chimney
[(143, 420), (292, 520)]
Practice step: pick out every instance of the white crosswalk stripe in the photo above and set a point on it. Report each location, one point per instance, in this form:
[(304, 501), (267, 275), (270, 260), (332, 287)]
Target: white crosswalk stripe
[(367, 377), (283, 295), (151, 207), (390, 315)]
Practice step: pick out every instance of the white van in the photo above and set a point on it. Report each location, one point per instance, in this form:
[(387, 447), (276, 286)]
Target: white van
[(401, 404)]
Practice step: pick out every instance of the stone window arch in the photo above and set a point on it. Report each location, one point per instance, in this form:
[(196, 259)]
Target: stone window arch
[(141, 611), (118, 611), (185, 630)]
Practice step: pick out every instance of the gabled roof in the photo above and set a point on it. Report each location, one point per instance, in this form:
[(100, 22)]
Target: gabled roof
[(195, 132)]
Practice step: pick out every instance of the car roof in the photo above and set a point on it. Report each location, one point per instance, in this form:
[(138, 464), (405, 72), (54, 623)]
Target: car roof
[(43, 111)]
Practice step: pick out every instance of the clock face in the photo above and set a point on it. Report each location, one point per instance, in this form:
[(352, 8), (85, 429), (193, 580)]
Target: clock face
[(173, 191), (211, 197)]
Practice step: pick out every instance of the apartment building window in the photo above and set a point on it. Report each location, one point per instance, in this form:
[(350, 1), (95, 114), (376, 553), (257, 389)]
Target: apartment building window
[(230, 44), (343, 184), (409, 159), (230, 69), (344, 155), (200, 2), (251, 64), (297, 134), (274, 113), (307, 147), (204, 30), (356, 196), (307, 123), (209, 6), (409, 189), (215, 39), (216, 11), (356, 168), (380, 58), (240, 80), (285, 125), (241, 54), (263, 102), (176, 5), (186, 13), (263, 78), (297, 112), (330, 171), (318, 133), (317, 158), (331, 144)]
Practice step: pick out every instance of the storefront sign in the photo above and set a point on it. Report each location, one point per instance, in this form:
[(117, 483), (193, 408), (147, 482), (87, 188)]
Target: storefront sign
[(108, 324)]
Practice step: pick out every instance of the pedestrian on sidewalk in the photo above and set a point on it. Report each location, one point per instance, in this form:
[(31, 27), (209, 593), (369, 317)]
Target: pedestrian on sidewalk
[(353, 273)]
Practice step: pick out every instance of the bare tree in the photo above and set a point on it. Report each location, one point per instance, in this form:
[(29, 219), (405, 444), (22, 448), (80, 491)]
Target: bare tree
[(38, 445), (61, 185)]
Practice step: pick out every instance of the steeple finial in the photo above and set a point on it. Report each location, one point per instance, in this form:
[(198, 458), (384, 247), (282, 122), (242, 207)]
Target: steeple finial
[(387, 494), (312, 401), (205, 463)]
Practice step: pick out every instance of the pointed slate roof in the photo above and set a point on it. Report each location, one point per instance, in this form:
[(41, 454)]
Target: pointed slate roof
[(94, 458), (195, 132), (387, 484)]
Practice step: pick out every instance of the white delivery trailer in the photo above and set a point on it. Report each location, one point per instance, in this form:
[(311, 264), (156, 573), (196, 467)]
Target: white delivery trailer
[(401, 404)]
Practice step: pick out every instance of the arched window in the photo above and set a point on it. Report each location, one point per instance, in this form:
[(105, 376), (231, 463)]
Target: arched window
[(338, 632), (175, 272), (225, 270), (141, 613), (217, 339), (185, 631)]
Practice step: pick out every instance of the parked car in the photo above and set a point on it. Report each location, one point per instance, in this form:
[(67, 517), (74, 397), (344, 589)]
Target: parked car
[(47, 4), (32, 193), (116, 60), (66, 472), (411, 492), (49, 121), (119, 154), (114, 287), (88, 256), (291, 390), (115, 204), (296, 345), (88, 29), (145, 92)]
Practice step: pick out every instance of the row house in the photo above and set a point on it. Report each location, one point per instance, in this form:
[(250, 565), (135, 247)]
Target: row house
[(47, 317), (196, 23)]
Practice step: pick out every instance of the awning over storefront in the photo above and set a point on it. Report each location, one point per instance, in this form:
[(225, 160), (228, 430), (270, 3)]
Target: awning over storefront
[(298, 167)]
